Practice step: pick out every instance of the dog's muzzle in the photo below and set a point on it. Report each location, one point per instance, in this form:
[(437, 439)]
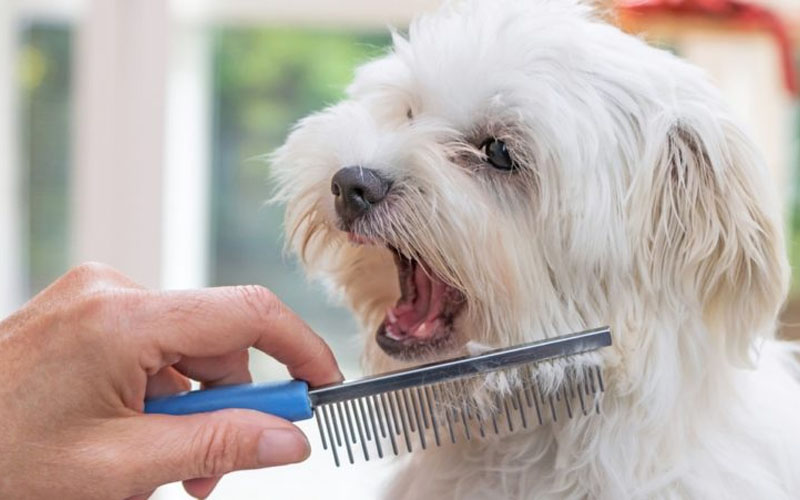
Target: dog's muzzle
[(356, 191)]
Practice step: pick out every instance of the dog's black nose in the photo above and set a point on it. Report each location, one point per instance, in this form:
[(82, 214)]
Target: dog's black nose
[(356, 190)]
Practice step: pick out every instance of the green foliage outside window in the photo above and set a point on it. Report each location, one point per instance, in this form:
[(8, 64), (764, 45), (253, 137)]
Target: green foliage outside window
[(264, 81), (43, 78)]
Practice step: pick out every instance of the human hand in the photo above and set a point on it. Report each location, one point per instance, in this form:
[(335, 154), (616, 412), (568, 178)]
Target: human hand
[(80, 358)]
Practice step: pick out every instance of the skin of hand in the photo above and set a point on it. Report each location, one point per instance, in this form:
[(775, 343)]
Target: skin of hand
[(78, 361)]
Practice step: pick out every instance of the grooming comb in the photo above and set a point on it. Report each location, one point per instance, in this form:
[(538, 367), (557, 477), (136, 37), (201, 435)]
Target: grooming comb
[(393, 410)]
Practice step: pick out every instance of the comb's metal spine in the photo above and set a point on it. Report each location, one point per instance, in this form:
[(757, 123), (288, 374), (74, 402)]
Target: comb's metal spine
[(455, 369)]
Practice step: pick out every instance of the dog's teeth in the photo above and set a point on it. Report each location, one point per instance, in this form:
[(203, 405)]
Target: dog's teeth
[(390, 315), (426, 329), (391, 333)]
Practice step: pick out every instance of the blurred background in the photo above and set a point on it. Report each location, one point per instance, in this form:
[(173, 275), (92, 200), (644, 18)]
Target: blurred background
[(133, 132)]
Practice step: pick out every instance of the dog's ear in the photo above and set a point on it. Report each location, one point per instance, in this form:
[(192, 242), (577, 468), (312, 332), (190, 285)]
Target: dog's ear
[(713, 232)]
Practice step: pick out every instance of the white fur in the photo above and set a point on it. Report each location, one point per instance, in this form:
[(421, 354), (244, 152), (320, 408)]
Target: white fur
[(640, 204)]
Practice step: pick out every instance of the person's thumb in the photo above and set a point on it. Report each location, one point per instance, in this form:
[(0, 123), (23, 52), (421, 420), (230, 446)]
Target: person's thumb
[(169, 448)]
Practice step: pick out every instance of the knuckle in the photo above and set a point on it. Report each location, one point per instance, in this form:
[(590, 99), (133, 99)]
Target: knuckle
[(87, 277), (218, 449), (95, 275), (260, 301), (102, 304), (93, 305), (89, 271)]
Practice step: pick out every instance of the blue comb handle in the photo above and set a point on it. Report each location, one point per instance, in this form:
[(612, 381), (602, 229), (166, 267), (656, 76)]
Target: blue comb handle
[(287, 400)]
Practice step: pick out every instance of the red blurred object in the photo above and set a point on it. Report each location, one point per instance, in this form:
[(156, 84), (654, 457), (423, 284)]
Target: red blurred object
[(740, 14)]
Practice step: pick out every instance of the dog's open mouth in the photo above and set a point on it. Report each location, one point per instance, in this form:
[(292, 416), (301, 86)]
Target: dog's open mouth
[(422, 319)]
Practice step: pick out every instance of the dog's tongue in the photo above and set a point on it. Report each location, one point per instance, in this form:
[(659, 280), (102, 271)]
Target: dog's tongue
[(418, 312)]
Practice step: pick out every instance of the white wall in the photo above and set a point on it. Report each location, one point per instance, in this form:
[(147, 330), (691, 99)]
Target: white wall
[(11, 282), (748, 70), (119, 117)]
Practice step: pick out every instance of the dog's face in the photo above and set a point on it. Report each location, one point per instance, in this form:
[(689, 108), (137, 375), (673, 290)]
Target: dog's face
[(516, 170)]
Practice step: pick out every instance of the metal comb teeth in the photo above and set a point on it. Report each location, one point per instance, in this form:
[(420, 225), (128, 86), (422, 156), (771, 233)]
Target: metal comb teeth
[(446, 402), (394, 422)]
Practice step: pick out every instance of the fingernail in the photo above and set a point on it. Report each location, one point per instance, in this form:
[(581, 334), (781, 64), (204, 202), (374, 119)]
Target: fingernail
[(282, 446)]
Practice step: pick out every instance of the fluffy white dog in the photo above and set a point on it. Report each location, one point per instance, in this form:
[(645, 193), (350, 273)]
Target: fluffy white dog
[(515, 170)]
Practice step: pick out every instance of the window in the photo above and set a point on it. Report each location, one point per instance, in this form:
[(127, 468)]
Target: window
[(44, 75), (264, 80), (793, 214)]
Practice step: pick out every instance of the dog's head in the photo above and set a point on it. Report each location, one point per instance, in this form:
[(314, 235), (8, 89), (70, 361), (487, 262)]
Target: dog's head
[(514, 170)]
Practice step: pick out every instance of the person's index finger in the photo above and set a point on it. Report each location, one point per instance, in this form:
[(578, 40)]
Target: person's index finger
[(216, 321)]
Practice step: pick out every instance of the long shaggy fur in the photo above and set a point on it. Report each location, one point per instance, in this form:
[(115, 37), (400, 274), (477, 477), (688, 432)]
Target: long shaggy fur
[(639, 203)]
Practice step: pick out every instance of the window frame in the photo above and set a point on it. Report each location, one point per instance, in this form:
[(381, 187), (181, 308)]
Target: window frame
[(11, 244), (167, 41)]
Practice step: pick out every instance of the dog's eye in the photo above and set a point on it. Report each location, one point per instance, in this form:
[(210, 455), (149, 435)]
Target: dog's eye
[(409, 114), (497, 154)]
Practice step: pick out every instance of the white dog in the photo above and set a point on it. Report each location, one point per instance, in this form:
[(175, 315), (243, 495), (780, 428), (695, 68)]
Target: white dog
[(515, 170)]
